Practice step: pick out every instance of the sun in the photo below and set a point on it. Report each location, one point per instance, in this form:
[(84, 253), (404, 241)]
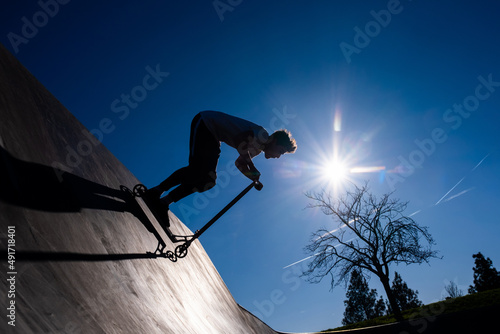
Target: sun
[(335, 171)]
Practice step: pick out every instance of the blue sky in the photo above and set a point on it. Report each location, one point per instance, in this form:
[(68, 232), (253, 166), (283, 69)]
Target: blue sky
[(407, 90)]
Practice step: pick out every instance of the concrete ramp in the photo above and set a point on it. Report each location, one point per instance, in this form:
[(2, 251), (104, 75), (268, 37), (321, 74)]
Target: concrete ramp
[(77, 245)]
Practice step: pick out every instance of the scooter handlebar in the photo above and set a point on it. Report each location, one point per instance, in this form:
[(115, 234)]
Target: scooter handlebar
[(258, 185)]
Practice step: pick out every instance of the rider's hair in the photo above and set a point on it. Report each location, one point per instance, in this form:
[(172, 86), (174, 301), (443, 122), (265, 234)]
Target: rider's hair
[(284, 138)]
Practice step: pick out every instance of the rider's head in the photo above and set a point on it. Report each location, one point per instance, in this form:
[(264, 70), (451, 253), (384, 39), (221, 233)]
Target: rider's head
[(279, 143)]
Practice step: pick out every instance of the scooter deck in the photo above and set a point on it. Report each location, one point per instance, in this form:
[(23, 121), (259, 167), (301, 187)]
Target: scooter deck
[(147, 221)]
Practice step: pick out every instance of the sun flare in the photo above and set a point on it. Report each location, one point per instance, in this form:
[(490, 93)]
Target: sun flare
[(335, 171)]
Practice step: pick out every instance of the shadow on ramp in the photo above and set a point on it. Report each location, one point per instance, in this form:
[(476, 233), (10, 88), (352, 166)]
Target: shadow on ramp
[(28, 256), (35, 186), (44, 188)]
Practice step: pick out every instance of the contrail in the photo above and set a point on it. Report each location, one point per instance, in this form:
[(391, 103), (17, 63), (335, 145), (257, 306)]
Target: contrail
[(463, 178), (338, 228), (307, 258), (480, 162), (449, 191), (459, 194), (413, 214)]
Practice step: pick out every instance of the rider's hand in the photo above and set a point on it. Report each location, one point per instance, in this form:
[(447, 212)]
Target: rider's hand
[(253, 175), (246, 166)]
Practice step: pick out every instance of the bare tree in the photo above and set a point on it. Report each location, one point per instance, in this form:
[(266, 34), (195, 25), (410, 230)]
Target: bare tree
[(371, 235), (453, 290)]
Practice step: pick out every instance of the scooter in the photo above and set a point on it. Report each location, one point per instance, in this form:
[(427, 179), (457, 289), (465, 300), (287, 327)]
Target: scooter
[(182, 250)]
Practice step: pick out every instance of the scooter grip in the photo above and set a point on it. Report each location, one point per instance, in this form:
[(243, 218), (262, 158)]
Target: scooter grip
[(258, 185)]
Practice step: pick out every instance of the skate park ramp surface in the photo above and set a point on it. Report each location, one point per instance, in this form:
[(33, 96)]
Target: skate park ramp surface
[(79, 243)]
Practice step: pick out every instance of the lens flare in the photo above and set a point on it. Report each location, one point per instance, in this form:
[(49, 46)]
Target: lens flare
[(335, 171)]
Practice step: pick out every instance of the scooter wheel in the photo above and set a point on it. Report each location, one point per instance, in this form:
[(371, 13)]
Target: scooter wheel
[(181, 251), (171, 256), (127, 190), (139, 190)]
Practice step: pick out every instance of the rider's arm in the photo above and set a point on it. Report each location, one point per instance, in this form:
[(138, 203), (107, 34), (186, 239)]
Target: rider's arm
[(245, 164)]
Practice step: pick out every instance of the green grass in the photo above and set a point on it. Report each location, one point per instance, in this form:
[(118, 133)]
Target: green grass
[(468, 302)]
